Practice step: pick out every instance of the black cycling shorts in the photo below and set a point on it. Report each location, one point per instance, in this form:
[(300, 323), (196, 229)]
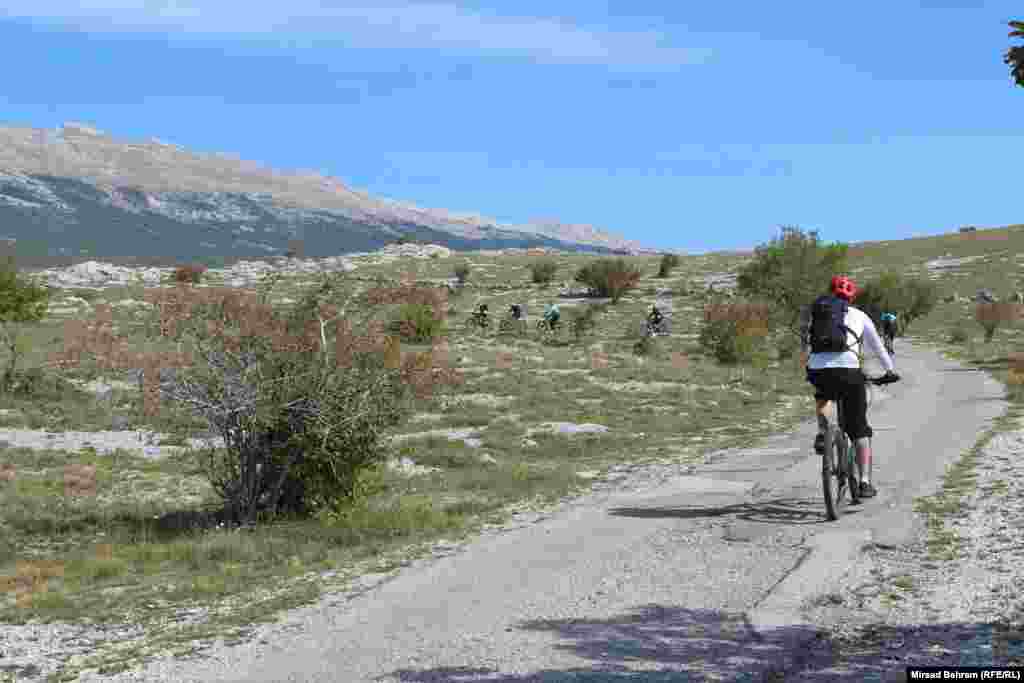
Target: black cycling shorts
[(847, 386)]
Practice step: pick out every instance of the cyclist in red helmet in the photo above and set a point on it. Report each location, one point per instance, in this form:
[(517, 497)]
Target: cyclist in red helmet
[(837, 335)]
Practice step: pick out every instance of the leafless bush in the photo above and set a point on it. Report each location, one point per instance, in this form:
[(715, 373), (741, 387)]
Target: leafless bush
[(992, 316), (189, 274)]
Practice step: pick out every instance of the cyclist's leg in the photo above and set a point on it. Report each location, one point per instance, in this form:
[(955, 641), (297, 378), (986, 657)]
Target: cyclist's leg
[(855, 406), (823, 394)]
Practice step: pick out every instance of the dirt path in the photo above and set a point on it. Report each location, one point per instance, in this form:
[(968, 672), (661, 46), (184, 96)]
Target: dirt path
[(705, 574)]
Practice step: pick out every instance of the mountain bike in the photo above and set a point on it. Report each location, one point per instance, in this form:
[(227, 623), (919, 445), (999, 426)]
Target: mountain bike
[(840, 472), (511, 324), (478, 321), (652, 329), (547, 328), (888, 340)]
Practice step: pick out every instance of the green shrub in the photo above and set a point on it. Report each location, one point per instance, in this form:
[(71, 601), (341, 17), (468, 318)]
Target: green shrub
[(85, 294), (909, 298), (959, 334), (542, 272), (668, 263), (790, 271), (609, 277), (646, 346), (462, 272), (736, 332), (22, 300), (417, 323), (305, 417), (40, 384), (787, 345), (585, 320)]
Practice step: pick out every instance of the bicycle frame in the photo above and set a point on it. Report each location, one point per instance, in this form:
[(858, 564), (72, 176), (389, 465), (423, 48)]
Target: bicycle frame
[(840, 460)]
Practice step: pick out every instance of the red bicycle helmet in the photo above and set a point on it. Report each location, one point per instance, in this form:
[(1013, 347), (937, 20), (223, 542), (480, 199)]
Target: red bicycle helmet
[(844, 287)]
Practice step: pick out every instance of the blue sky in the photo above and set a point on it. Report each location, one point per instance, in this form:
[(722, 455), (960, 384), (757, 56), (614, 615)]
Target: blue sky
[(693, 126)]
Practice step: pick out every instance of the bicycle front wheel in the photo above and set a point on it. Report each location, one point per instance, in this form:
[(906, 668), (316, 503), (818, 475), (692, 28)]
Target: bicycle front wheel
[(831, 476)]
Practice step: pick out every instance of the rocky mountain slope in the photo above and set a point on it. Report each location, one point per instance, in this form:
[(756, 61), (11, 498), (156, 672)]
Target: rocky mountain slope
[(76, 190)]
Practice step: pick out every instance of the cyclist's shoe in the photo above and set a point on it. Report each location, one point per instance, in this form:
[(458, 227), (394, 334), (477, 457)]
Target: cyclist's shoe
[(819, 444), (867, 490)]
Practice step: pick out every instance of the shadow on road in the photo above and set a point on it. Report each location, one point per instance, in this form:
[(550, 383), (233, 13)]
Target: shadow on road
[(776, 511), (658, 644)]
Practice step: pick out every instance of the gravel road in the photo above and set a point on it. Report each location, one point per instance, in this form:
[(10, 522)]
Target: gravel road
[(662, 577)]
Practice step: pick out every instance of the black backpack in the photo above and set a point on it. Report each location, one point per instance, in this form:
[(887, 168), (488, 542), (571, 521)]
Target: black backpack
[(828, 325)]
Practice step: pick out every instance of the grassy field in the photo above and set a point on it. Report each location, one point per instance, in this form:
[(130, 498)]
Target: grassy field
[(110, 555), (993, 260)]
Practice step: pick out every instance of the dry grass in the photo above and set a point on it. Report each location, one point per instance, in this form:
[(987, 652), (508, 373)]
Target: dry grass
[(669, 407)]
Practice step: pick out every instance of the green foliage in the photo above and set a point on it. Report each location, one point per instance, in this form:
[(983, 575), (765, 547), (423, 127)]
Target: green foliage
[(959, 334), (1014, 56), (584, 321), (724, 341), (85, 294), (908, 297), (417, 323), (542, 272), (735, 333), (668, 263), (22, 301), (648, 347), (609, 277), (789, 272), (462, 272), (302, 420)]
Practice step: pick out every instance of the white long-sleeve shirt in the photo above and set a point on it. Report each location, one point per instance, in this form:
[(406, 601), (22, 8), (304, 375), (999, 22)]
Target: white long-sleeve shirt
[(860, 324)]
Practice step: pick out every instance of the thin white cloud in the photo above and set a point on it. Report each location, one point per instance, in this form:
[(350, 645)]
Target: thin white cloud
[(414, 25)]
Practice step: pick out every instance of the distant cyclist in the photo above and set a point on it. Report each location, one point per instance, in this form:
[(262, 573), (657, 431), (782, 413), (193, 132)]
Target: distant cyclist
[(551, 315), (655, 321), (655, 317), (837, 335), (479, 317), (517, 311), (889, 331)]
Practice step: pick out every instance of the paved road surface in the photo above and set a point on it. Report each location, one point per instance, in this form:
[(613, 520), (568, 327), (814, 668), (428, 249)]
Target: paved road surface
[(704, 574)]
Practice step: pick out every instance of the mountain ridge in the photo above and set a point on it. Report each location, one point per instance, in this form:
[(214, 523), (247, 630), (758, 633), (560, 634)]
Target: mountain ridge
[(155, 178)]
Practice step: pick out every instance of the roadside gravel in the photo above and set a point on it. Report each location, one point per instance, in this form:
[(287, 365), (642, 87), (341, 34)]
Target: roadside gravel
[(900, 607)]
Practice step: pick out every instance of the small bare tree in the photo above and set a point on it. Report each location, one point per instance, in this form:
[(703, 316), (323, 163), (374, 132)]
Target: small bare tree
[(992, 316)]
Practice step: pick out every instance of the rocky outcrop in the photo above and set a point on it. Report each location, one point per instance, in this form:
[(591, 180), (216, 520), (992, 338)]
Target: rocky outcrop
[(96, 274)]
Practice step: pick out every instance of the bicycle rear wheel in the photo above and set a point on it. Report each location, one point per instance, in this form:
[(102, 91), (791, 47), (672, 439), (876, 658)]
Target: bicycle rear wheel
[(831, 476), (853, 473)]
